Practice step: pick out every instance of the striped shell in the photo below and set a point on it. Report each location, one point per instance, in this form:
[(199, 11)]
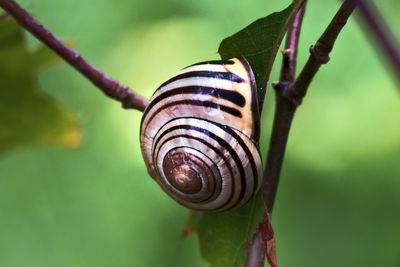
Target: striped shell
[(199, 135)]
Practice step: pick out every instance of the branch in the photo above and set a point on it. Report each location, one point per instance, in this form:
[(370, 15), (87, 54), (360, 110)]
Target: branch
[(289, 96), (319, 54), (111, 87), (3, 15), (376, 25), (255, 251)]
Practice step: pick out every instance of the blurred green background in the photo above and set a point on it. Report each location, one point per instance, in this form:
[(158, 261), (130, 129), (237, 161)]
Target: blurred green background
[(338, 202)]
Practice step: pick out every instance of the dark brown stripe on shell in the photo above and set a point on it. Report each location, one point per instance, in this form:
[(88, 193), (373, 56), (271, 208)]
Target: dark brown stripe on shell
[(213, 62), (208, 74)]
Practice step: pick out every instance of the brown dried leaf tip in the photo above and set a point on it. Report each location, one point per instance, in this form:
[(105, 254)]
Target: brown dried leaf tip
[(268, 237)]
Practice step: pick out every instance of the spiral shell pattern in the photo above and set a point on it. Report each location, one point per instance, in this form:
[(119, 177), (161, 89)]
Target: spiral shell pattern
[(199, 135)]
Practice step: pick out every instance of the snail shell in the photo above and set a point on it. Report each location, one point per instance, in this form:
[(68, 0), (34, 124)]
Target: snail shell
[(200, 132)]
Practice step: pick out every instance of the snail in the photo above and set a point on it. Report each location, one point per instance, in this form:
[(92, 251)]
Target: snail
[(199, 135)]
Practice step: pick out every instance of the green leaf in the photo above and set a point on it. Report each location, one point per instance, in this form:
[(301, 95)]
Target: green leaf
[(259, 42), (29, 116), (223, 236)]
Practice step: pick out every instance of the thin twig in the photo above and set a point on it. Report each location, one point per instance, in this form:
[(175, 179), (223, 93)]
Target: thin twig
[(109, 86), (288, 71), (378, 28)]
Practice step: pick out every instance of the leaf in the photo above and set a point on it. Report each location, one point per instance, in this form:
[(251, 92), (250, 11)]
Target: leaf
[(223, 236), (259, 42), (29, 116)]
